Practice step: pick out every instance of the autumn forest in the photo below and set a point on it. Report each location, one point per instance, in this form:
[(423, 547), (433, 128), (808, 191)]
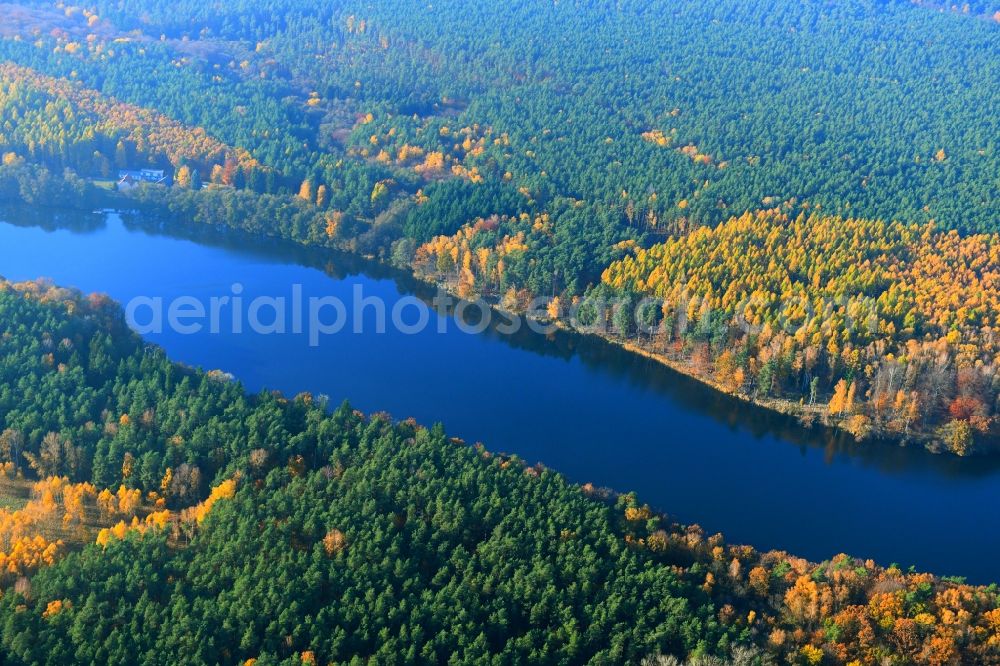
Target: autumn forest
[(794, 203)]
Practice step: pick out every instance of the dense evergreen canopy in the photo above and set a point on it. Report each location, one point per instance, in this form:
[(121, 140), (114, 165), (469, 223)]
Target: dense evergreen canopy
[(570, 150), (332, 537)]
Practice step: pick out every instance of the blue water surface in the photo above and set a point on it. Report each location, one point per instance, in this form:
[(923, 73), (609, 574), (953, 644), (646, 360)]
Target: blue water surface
[(575, 404)]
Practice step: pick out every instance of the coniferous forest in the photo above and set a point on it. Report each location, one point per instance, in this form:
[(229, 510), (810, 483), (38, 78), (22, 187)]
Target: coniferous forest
[(468, 144), (793, 202), (173, 518)]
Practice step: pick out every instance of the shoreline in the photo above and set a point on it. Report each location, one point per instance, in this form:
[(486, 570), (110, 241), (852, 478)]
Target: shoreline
[(807, 418), (662, 509)]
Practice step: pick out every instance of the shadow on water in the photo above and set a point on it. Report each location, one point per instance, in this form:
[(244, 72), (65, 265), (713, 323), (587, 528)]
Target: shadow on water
[(593, 351), (587, 407), (53, 219)]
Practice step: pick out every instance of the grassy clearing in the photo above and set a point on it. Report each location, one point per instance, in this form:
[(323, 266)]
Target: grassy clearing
[(14, 493)]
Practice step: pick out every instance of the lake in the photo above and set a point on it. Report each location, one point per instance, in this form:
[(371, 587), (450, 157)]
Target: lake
[(573, 403)]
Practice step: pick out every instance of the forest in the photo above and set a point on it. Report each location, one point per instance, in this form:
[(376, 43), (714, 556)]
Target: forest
[(173, 518), (895, 322), (529, 150), (664, 134), (58, 124), (792, 201)]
